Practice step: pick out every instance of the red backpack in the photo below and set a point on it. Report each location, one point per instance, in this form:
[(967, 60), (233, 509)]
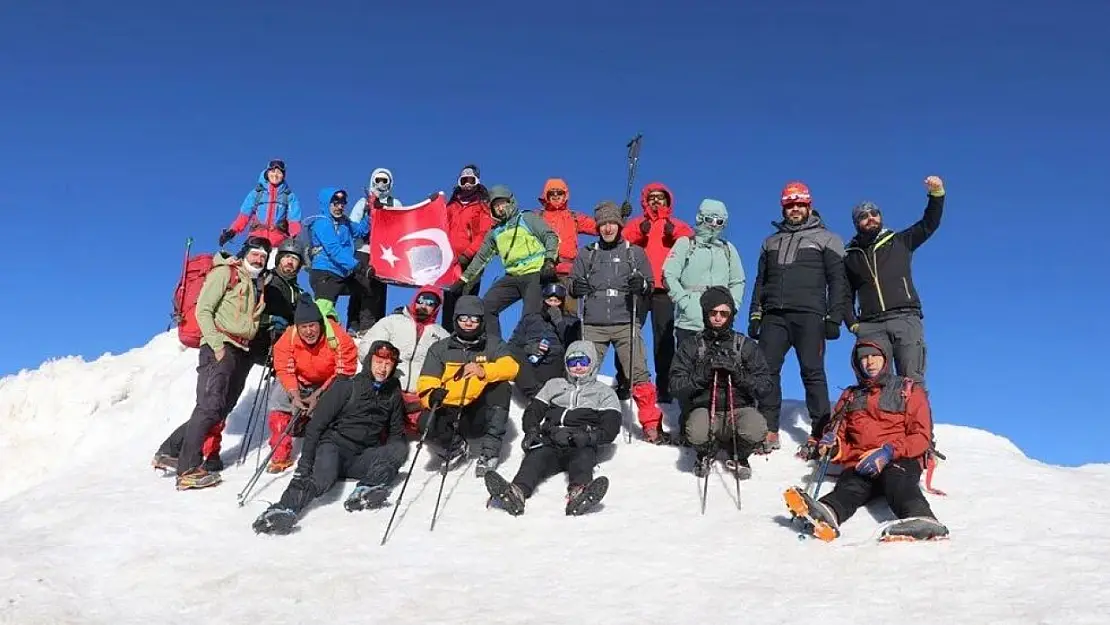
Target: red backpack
[(186, 294)]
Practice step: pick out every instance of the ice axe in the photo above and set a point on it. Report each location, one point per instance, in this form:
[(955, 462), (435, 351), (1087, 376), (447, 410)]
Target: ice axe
[(179, 302), (633, 160)]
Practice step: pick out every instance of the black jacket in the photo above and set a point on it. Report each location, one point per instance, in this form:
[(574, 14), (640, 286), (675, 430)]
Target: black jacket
[(879, 272), (281, 300), (355, 416), (559, 330), (692, 378), (801, 269)]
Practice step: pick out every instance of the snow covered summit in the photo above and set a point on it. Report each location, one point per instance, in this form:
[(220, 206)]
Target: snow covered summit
[(90, 534)]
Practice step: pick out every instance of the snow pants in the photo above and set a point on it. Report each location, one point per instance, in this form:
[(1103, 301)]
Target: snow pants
[(906, 333), (507, 291), (897, 482), (219, 385), (746, 423), (531, 378), (447, 320), (546, 461), (328, 286), (372, 300), (805, 332), (280, 414), (643, 391), (487, 418), (371, 466), (661, 307)]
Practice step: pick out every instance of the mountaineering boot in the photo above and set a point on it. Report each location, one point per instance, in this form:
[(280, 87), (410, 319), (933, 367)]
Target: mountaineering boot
[(455, 453), (820, 518), (770, 443), (914, 529), (275, 521), (165, 462), (581, 499), (197, 478), (486, 464), (508, 496), (655, 435), (214, 463), (740, 466), (703, 463), (277, 466), (808, 450), (367, 497)]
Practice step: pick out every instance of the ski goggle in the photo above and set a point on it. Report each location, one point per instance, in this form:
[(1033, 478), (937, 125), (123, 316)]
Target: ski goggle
[(427, 299), (555, 289), (578, 360), (789, 199), (276, 164), (339, 198), (467, 318), (710, 220), (387, 352), (467, 181), (381, 181)]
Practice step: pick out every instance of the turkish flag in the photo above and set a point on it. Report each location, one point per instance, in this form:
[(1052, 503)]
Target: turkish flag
[(409, 245)]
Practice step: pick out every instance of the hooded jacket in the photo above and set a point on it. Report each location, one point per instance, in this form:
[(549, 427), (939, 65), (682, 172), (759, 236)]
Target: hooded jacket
[(583, 403), (227, 315), (699, 262), (566, 223), (468, 220), (446, 358), (267, 207), (886, 409), (656, 244), (801, 269), (375, 201), (555, 325), (411, 338), (522, 240), (298, 364), (333, 239), (607, 268)]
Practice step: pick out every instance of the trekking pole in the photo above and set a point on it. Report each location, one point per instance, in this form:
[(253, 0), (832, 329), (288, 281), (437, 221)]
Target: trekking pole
[(258, 472), (179, 303), (712, 435), (412, 467), (735, 444), (258, 395), (446, 466), (631, 360), (633, 160)]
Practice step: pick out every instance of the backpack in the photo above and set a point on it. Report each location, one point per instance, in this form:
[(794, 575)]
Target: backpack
[(186, 294), (282, 199)]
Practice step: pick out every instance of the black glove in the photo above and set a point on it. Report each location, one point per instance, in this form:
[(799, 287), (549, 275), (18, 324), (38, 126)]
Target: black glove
[(456, 287), (645, 226), (436, 397), (583, 438), (668, 230), (626, 210), (464, 260), (562, 437), (636, 283), (531, 441), (580, 287), (753, 328), (832, 330), (551, 313), (283, 225), (723, 361), (547, 272), (226, 236), (432, 196)]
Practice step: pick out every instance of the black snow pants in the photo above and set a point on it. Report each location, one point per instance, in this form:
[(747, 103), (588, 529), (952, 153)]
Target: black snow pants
[(506, 292), (531, 378), (373, 300), (329, 286), (371, 466), (661, 307), (805, 332), (544, 462), (487, 418), (897, 482)]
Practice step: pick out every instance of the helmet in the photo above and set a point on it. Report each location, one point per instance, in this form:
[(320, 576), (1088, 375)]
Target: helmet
[(290, 246), (795, 193)]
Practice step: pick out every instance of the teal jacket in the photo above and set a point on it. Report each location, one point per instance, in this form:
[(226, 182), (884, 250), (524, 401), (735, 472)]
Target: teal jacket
[(694, 265)]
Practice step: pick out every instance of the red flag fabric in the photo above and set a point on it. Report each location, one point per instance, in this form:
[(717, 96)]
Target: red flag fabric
[(409, 244)]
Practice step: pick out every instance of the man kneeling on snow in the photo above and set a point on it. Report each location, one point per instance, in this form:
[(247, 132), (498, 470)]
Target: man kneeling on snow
[(563, 427), (356, 431), (882, 442)]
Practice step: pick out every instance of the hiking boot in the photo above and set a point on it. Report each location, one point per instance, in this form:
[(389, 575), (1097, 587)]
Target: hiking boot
[(820, 518), (275, 520), (914, 529), (581, 499), (770, 443), (278, 466), (655, 435), (214, 463), (197, 478), (509, 496), (455, 453), (703, 463), (740, 467), (365, 496), (486, 463), (808, 450), (165, 462)]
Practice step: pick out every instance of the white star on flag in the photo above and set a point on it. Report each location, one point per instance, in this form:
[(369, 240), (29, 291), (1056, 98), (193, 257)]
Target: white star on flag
[(388, 256)]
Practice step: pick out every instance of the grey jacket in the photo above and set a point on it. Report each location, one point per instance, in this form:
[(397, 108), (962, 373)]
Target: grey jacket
[(609, 301)]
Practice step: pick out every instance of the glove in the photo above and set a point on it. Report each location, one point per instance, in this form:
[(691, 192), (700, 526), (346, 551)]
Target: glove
[(645, 226), (626, 210), (668, 230), (226, 236), (456, 287), (432, 196), (580, 286), (832, 330), (278, 324), (827, 445), (436, 397), (299, 403), (464, 260), (873, 462), (636, 283), (547, 272), (753, 327), (583, 438), (562, 437), (283, 225), (531, 441), (722, 361)]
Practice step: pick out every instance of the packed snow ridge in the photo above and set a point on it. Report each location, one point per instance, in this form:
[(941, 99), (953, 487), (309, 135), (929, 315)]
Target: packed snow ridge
[(89, 533)]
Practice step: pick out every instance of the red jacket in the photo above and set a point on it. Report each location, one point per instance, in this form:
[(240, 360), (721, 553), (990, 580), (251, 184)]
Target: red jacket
[(566, 223), (655, 245), (296, 363), (467, 224)]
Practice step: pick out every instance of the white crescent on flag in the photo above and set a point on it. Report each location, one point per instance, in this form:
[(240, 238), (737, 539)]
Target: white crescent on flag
[(428, 276)]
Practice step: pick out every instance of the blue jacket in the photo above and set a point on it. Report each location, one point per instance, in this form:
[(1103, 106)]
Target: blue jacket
[(333, 240), (258, 212)]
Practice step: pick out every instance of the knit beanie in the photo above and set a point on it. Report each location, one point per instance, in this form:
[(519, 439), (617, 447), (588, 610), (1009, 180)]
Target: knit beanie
[(307, 312), (608, 212), (859, 209)]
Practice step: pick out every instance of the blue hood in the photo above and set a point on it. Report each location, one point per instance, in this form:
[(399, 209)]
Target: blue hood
[(323, 198)]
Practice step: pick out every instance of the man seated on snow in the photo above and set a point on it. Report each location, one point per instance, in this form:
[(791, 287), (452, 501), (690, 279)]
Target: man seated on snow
[(540, 339), (721, 359), (882, 441), (413, 330), (307, 359), (563, 427), (464, 388), (356, 432)]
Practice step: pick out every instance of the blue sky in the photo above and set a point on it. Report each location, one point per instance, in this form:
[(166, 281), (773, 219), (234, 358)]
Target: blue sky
[(127, 126)]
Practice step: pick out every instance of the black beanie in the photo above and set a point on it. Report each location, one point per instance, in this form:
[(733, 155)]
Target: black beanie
[(307, 312), (713, 297)]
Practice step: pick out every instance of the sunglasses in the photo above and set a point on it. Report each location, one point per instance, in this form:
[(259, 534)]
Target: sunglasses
[(711, 221), (428, 300), (467, 319), (578, 361), (870, 212), (724, 314), (381, 180), (467, 181), (658, 197), (556, 193)]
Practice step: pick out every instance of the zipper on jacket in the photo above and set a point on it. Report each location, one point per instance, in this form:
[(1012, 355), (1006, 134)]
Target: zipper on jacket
[(906, 285), (873, 269), (573, 402)]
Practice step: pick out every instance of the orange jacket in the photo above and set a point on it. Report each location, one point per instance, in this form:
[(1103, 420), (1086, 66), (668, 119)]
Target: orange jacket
[(297, 363), (566, 223)]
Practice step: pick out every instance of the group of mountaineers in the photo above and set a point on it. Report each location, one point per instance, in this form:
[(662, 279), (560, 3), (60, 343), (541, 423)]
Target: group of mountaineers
[(359, 394)]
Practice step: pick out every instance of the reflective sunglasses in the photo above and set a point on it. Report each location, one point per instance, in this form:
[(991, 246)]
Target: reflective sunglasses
[(428, 299), (579, 360), (467, 319), (382, 181), (467, 181), (867, 212), (711, 221)]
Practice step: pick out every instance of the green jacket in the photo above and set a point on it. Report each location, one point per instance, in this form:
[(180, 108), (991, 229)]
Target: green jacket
[(523, 241), (694, 265), (227, 315)]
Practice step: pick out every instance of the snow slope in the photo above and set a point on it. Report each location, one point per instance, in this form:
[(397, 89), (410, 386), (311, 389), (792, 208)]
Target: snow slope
[(90, 534)]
